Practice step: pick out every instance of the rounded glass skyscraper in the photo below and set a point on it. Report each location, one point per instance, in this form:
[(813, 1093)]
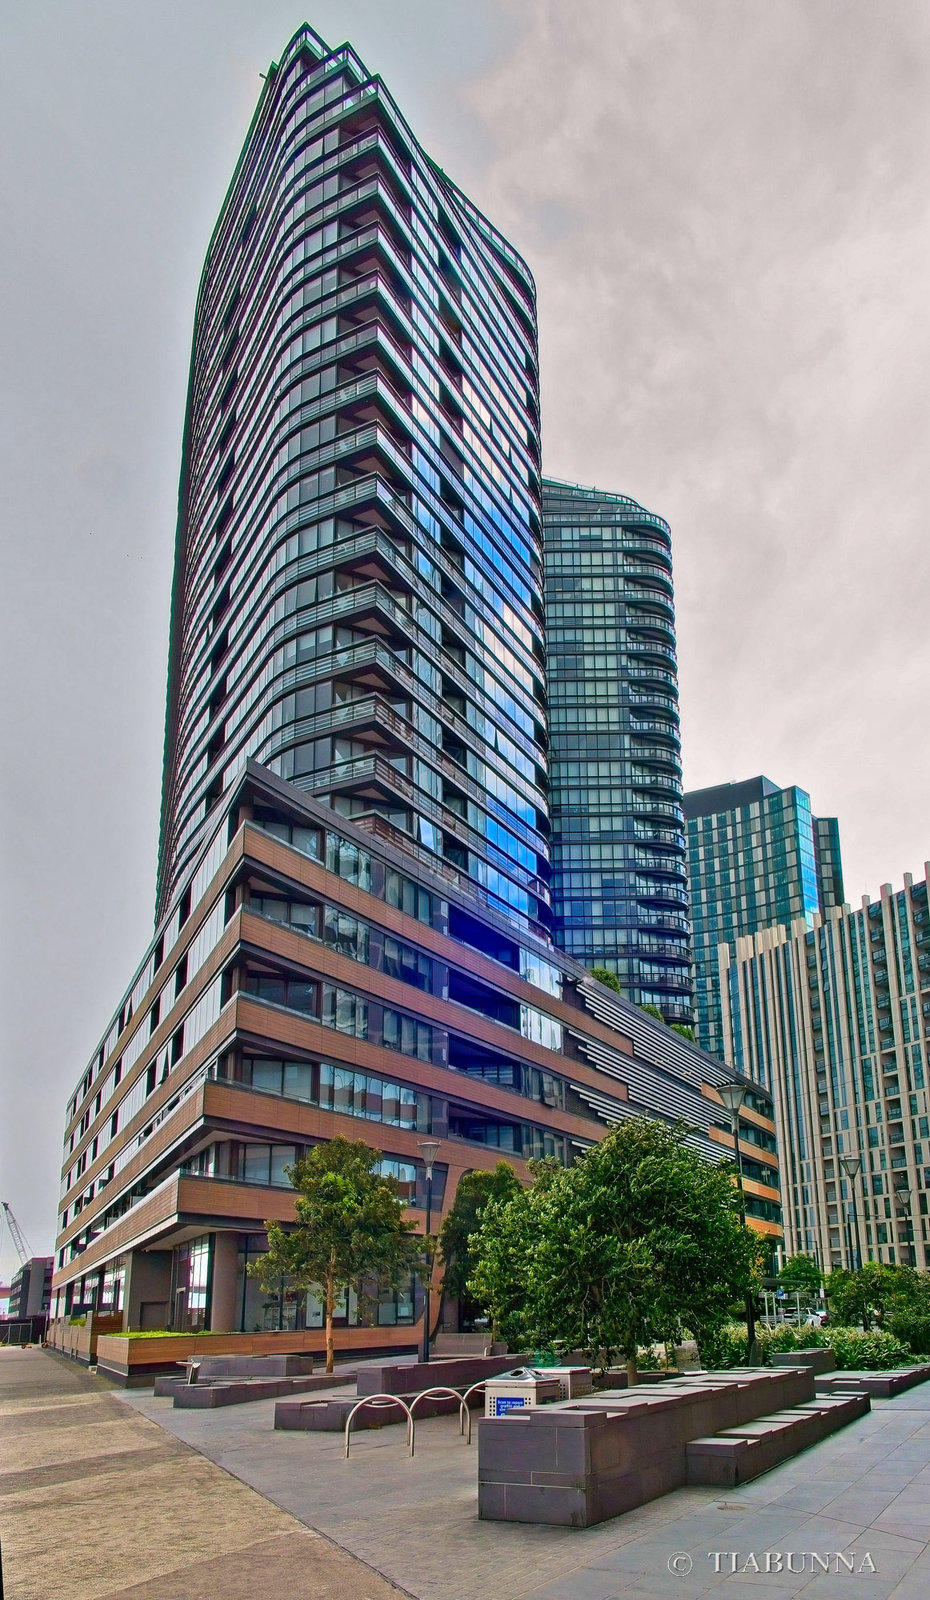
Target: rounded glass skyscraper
[(620, 885), (358, 582)]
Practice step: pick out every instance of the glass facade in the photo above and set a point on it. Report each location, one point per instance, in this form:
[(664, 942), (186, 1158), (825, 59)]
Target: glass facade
[(834, 1021), (358, 580), (757, 858), (353, 923), (619, 882)]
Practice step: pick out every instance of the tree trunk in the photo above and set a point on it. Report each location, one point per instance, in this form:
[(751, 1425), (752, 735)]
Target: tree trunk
[(330, 1309), (631, 1372)]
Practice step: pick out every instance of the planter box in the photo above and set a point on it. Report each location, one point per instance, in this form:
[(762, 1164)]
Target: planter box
[(80, 1340), (134, 1362)]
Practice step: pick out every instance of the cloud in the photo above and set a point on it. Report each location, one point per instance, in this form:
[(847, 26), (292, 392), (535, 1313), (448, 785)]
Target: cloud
[(725, 206)]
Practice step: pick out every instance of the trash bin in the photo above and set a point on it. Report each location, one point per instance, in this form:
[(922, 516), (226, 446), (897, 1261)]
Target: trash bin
[(516, 1394)]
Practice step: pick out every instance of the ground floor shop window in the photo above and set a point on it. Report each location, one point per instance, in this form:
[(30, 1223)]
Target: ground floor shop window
[(191, 1278)]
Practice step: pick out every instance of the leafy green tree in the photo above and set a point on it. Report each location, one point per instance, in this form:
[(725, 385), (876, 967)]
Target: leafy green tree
[(679, 1027), (461, 1223), (350, 1228), (800, 1274), (609, 978), (640, 1239), (875, 1293), (653, 1011)]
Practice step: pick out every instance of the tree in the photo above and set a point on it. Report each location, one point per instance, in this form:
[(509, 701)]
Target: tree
[(653, 1011), (638, 1240), (461, 1222), (350, 1227), (876, 1292), (609, 978), (800, 1274)]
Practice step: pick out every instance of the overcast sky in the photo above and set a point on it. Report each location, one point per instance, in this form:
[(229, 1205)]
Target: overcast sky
[(725, 204)]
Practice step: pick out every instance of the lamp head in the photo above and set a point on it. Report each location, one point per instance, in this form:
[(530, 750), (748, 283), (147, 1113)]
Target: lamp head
[(851, 1165), (429, 1149), (732, 1096)]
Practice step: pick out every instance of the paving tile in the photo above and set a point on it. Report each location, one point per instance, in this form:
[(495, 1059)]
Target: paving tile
[(416, 1521)]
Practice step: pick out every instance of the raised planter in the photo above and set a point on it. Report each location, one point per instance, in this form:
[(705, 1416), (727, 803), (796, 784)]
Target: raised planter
[(135, 1362), (80, 1340)]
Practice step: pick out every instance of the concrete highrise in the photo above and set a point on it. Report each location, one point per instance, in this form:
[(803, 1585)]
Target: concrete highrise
[(833, 1020), (757, 858), (619, 880), (358, 577), (353, 904)]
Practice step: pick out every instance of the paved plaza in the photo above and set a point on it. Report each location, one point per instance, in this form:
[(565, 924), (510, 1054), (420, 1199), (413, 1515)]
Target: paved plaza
[(97, 1501), (863, 1495)]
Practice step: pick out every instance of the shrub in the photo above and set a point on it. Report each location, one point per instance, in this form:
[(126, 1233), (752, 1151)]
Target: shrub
[(855, 1351), (726, 1347), (874, 1351), (913, 1329)]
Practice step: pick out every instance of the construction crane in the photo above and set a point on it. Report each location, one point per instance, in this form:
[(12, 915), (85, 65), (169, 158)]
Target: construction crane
[(16, 1234)]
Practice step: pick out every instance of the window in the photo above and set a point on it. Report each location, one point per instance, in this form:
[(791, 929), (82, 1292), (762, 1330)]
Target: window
[(345, 934), (403, 1033), (407, 896), (265, 1163), (348, 860), (290, 992), (305, 918), (409, 965), (344, 1011)]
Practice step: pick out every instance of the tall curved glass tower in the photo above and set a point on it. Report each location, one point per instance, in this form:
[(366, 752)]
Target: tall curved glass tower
[(620, 884), (358, 580)]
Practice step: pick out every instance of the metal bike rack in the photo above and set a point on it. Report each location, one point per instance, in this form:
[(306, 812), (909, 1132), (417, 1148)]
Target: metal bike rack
[(439, 1389), (382, 1400), (463, 1408)]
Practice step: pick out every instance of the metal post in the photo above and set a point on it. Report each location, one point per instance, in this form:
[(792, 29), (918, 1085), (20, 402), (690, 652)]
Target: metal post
[(856, 1231), (429, 1266), (733, 1096), (428, 1149)]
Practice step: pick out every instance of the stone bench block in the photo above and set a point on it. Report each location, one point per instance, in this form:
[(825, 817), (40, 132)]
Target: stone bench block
[(821, 1359), (880, 1385), (329, 1416), (458, 1373), (611, 1452)]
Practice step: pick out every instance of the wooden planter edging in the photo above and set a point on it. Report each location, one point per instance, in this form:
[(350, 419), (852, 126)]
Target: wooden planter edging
[(133, 1363)]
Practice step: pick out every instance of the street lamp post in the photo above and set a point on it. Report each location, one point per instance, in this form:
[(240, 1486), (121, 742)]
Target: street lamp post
[(852, 1166), (902, 1196), (428, 1148), (733, 1097)]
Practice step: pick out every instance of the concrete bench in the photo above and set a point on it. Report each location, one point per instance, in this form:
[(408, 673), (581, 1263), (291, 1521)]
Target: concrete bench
[(205, 1396), (880, 1385), (735, 1455), (576, 1463), (283, 1366), (212, 1392), (329, 1416), (459, 1373), (821, 1358)]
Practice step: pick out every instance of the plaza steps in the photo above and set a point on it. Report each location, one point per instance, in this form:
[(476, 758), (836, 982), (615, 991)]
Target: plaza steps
[(736, 1455), (880, 1385)]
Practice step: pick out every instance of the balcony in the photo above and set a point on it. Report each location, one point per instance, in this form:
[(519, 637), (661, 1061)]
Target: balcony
[(667, 730), (643, 647)]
